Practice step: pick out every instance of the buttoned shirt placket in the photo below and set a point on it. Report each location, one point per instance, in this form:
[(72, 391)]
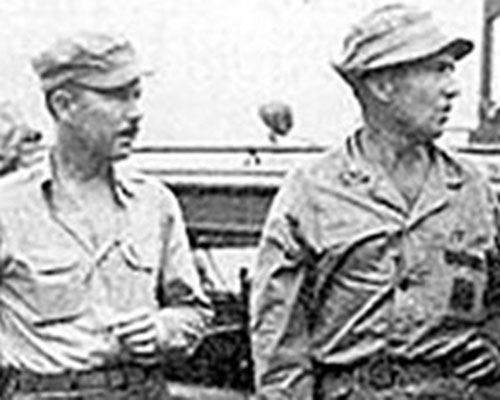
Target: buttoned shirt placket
[(97, 253), (406, 312)]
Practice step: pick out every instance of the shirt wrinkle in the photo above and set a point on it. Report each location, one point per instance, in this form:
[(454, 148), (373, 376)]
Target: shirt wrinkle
[(383, 279), (59, 295)]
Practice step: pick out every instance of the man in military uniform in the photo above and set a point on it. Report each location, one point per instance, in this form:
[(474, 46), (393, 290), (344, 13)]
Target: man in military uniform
[(96, 276), (374, 271)]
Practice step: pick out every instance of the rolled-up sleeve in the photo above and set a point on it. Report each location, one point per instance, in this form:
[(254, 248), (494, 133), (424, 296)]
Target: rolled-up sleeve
[(186, 309), (278, 309)]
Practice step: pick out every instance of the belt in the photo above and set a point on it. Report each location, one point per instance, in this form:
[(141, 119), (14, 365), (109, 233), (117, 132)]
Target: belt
[(109, 378), (382, 372)]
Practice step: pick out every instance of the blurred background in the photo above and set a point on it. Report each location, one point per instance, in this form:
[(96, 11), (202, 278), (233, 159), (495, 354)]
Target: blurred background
[(216, 61)]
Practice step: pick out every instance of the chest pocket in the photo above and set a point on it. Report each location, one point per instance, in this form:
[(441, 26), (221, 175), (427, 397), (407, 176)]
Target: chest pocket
[(138, 287), (469, 278), (55, 289)]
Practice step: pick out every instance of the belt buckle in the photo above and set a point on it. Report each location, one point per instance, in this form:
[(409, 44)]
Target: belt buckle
[(90, 379), (379, 373), (134, 375), (116, 377), (27, 382)]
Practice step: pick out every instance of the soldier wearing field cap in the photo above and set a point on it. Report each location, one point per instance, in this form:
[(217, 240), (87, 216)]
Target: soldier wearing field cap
[(97, 282), (377, 265)]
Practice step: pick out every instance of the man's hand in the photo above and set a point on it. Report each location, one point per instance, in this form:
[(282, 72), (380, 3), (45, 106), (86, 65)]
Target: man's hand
[(137, 333), (476, 357)]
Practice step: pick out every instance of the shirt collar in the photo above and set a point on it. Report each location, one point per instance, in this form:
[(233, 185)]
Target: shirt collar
[(122, 185), (358, 170), (453, 173)]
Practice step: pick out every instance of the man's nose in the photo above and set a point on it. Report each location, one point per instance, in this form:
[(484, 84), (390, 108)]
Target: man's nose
[(452, 87), (135, 111)]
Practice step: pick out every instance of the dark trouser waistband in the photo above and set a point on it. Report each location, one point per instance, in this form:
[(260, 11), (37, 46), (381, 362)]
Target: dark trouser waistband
[(390, 378), (109, 378)]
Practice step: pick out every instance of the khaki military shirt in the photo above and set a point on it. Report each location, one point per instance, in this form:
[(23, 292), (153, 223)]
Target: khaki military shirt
[(60, 293), (346, 268)]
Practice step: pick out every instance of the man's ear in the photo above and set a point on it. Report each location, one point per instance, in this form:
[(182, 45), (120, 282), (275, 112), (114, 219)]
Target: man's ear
[(381, 87), (62, 102)]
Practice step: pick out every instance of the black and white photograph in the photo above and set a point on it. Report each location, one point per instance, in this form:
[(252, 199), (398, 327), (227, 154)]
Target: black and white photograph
[(250, 200)]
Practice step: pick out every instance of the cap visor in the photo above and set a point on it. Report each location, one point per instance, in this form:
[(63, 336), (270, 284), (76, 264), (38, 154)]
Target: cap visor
[(411, 51), (458, 48)]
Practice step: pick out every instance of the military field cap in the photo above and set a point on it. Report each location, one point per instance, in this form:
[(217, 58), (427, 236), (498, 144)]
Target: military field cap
[(395, 34), (96, 60)]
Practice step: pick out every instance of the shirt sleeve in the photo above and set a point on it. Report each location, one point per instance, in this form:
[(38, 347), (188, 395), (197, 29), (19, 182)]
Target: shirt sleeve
[(3, 256), (491, 327), (278, 309), (186, 309)]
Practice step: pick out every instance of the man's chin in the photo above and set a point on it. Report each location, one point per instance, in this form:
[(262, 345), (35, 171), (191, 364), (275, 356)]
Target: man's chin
[(436, 134), (121, 154), (120, 157), (122, 150), (428, 136)]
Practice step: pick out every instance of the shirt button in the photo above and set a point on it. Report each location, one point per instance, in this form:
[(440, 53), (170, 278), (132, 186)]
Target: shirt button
[(404, 284)]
